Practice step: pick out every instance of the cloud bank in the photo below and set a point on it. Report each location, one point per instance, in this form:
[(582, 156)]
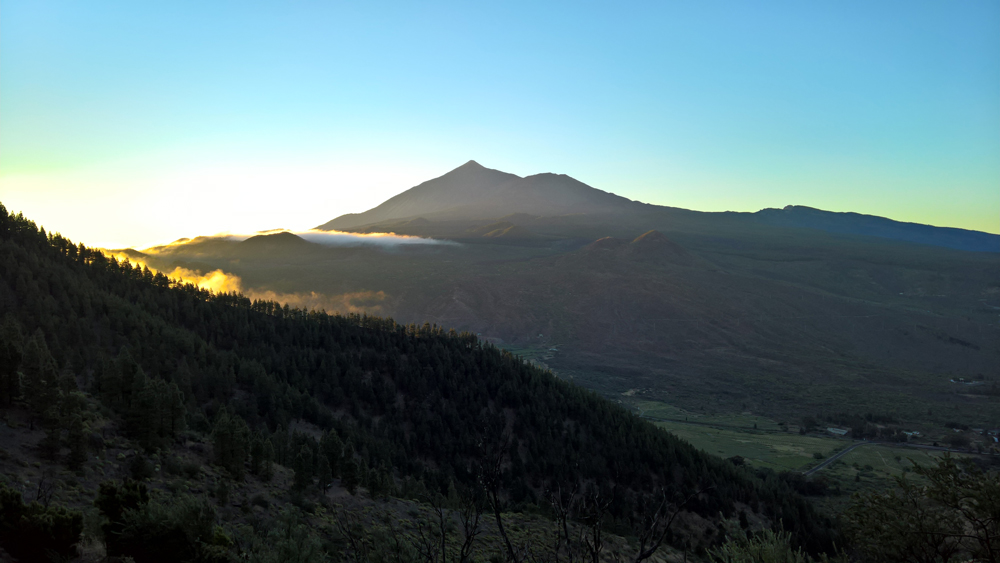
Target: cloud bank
[(341, 238), (325, 238), (219, 281)]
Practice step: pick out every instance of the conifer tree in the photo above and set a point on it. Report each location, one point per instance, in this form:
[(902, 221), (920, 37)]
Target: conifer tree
[(52, 442), (324, 474), (177, 409), (39, 375), (349, 470), (267, 466), (332, 448), (141, 418), (231, 442), (77, 441), (11, 346), (130, 374), (109, 383), (256, 453), (303, 468)]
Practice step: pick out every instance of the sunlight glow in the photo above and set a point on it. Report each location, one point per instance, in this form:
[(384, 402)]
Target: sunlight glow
[(219, 281)]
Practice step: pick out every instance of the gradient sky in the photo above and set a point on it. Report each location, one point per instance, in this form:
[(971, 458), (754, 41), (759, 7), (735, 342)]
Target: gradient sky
[(134, 123)]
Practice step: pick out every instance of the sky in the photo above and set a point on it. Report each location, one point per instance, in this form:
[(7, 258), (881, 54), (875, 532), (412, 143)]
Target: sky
[(137, 123)]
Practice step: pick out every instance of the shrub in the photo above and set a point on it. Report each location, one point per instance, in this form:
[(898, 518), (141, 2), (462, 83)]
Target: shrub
[(140, 468), (36, 533), (260, 500), (192, 470)]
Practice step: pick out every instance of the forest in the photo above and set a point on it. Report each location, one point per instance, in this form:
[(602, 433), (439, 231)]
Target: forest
[(95, 351)]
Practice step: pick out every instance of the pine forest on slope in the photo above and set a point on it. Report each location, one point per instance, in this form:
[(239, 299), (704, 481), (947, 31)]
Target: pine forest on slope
[(90, 342)]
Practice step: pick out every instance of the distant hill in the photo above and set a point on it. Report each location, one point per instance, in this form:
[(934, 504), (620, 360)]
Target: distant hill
[(472, 191), (276, 241), (873, 226)]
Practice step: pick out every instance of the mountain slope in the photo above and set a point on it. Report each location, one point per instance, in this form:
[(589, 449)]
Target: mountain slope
[(466, 184), (414, 406), (474, 192), (881, 227)]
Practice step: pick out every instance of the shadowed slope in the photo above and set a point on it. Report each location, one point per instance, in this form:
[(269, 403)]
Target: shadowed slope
[(873, 226)]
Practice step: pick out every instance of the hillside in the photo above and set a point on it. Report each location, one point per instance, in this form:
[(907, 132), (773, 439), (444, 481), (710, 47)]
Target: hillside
[(872, 226), (285, 403)]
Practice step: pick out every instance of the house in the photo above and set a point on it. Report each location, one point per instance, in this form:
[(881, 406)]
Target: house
[(837, 431)]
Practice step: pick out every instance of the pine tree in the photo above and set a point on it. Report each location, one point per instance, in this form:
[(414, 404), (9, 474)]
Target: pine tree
[(176, 410), (231, 442), (67, 380), (40, 376), (222, 438), (324, 474), (52, 442), (332, 448), (303, 469), (349, 477), (256, 453), (141, 418), (267, 466), (240, 446), (129, 373), (109, 383), (77, 441), (11, 347)]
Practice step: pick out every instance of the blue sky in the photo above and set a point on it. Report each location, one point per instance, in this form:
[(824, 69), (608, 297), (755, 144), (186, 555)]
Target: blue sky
[(136, 123)]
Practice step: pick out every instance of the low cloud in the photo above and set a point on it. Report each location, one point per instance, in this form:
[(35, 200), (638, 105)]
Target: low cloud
[(341, 238), (357, 302), (325, 238), (219, 281)]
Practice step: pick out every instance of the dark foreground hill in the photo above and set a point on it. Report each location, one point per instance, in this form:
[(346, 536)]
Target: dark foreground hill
[(123, 369)]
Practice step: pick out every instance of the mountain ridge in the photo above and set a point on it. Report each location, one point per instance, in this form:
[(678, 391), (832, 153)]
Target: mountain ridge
[(473, 192), (853, 223)]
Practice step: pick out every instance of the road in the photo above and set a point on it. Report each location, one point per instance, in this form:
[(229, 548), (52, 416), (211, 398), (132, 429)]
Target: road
[(835, 456), (842, 452)]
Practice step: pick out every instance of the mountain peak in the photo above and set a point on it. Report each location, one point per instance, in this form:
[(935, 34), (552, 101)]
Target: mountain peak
[(474, 192)]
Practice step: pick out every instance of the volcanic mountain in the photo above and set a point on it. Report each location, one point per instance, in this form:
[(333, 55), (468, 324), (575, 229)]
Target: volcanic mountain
[(472, 191), (479, 196)]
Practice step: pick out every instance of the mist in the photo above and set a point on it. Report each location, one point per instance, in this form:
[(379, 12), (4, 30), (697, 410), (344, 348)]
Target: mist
[(219, 281), (341, 238), (325, 238)]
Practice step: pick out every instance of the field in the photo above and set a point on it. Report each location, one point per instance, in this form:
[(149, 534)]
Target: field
[(762, 442), (778, 451), (670, 413)]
